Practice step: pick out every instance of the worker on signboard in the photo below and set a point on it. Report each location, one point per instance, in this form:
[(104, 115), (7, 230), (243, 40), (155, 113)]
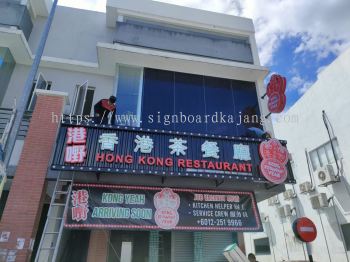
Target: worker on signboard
[(105, 111), (252, 258)]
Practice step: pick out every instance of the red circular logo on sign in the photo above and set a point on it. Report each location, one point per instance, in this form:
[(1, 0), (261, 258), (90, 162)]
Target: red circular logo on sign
[(305, 229), (166, 218)]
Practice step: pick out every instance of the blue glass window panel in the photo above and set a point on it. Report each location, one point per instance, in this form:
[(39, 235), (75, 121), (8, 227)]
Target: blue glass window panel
[(158, 98), (128, 92), (246, 104), (219, 100), (189, 100)]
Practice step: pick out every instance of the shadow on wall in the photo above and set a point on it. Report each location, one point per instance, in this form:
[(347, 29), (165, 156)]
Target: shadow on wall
[(341, 191)]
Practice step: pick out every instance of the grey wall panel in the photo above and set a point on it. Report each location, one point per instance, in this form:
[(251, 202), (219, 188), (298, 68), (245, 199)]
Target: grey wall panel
[(15, 14), (182, 40)]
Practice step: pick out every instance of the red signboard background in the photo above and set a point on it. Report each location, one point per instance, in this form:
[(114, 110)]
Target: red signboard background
[(274, 159), (276, 93)]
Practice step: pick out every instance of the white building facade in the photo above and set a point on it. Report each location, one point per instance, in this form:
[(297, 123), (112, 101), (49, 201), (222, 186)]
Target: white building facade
[(157, 59), (323, 194)]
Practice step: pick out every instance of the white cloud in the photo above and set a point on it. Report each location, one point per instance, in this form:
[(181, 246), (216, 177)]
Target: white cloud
[(94, 5), (323, 26), (299, 84)]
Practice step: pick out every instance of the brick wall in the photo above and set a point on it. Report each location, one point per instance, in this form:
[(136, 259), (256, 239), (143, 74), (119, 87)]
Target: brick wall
[(24, 203)]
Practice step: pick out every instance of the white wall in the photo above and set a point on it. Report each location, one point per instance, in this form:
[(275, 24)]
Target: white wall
[(331, 93), (64, 81), (73, 35)]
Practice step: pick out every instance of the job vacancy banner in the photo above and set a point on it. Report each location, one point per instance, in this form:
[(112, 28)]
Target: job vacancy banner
[(155, 208), (131, 150)]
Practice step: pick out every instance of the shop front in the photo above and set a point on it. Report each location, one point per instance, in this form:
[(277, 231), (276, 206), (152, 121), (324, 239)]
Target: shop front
[(148, 195)]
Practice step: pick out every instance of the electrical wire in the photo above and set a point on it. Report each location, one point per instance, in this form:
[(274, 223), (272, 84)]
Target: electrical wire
[(298, 213), (340, 231), (285, 241), (327, 123), (324, 234), (308, 168), (331, 135)]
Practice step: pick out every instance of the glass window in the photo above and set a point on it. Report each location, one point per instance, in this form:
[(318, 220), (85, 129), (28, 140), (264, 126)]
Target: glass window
[(158, 98), (189, 101), (323, 155), (7, 64), (346, 233), (129, 83), (84, 95), (219, 101), (262, 246), (195, 103), (88, 101), (40, 83), (247, 112), (314, 160)]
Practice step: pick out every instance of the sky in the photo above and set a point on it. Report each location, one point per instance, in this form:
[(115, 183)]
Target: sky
[(295, 38)]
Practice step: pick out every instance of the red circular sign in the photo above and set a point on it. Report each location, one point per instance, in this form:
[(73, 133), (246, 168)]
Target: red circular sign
[(305, 229), (166, 218), (273, 170)]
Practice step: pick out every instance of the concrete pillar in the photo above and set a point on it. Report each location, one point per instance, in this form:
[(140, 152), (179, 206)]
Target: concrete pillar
[(98, 246)]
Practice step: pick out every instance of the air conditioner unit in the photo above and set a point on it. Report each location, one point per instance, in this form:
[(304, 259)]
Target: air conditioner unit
[(285, 211), (306, 187), (326, 175), (289, 194), (273, 201), (319, 201)]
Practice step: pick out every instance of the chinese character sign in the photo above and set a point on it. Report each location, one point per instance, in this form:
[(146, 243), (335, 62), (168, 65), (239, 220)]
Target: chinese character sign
[(135, 151), (80, 207), (144, 144), (108, 140), (76, 145), (241, 152), (275, 158), (276, 93), (153, 208)]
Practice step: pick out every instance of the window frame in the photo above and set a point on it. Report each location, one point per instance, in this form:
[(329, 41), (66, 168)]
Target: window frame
[(140, 90), (316, 151), (74, 105), (346, 240), (32, 99), (268, 245)]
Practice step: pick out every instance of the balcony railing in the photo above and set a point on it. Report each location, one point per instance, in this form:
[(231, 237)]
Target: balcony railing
[(6, 118)]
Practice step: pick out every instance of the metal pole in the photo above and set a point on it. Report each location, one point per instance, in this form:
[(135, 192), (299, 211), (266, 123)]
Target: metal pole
[(28, 86)]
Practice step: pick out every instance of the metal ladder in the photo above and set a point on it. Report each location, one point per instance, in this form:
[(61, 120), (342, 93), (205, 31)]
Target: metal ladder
[(52, 233)]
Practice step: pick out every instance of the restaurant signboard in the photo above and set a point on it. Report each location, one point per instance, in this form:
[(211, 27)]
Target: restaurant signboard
[(130, 150), (157, 208)]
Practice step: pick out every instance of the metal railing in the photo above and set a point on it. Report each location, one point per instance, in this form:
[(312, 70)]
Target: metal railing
[(6, 121)]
